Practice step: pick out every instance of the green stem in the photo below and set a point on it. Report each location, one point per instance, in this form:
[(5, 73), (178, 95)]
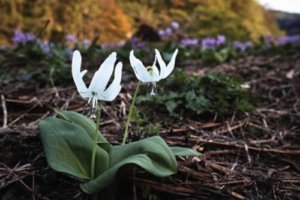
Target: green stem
[(130, 112), (98, 113)]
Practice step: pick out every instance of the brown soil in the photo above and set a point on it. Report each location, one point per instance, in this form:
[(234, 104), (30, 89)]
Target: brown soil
[(250, 156)]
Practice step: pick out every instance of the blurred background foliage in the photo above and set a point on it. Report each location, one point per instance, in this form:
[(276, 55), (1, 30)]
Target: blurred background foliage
[(116, 20), (53, 19)]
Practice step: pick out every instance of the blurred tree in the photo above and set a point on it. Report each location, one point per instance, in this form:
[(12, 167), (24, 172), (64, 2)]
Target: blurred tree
[(113, 20), (54, 19), (199, 18), (90, 19)]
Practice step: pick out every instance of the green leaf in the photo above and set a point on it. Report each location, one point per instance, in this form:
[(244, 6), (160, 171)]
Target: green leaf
[(68, 148), (87, 124), (171, 105), (151, 154), (182, 151)]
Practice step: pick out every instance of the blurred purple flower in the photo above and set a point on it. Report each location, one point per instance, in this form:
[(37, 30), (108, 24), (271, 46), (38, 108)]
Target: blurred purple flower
[(290, 39), (174, 25), (121, 43), (282, 40), (30, 37), (239, 46), (86, 42), (168, 32), (46, 49), (208, 43), (19, 37), (22, 38), (221, 40), (161, 33), (295, 39), (136, 43), (189, 42), (71, 38), (268, 40)]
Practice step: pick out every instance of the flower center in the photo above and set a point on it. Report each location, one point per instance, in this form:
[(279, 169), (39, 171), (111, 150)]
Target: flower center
[(150, 70), (153, 84)]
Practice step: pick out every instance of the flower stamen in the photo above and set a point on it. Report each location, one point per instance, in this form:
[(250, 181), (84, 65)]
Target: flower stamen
[(94, 101)]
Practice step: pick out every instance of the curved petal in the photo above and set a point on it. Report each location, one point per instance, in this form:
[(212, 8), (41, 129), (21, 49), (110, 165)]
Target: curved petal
[(114, 89), (102, 76), (161, 63), (139, 69), (77, 75), (169, 67)]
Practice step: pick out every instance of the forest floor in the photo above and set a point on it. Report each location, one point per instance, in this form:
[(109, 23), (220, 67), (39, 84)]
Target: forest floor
[(251, 156)]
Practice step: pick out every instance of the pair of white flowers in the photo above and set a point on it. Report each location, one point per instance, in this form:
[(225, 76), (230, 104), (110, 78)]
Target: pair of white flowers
[(99, 89)]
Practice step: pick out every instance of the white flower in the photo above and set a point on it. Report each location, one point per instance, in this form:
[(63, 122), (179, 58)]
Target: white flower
[(98, 89), (151, 74)]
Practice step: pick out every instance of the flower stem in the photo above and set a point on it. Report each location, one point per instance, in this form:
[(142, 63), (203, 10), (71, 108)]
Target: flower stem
[(98, 113), (130, 112)]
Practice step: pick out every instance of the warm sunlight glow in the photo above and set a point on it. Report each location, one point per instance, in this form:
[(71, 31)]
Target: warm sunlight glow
[(292, 6)]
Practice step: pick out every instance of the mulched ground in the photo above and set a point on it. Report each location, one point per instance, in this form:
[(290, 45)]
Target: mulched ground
[(250, 156)]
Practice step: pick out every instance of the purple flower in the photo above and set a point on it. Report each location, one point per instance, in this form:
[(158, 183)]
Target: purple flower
[(239, 46), (282, 40), (161, 33), (221, 39), (174, 25), (71, 38), (22, 38), (268, 40), (121, 43), (290, 39), (46, 49), (208, 43), (136, 43), (86, 42), (30, 37), (295, 39), (168, 32), (189, 42), (19, 37)]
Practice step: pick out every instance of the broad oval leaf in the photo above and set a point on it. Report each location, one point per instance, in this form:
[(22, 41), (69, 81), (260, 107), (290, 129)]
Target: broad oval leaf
[(151, 154), (87, 124), (182, 151), (68, 148)]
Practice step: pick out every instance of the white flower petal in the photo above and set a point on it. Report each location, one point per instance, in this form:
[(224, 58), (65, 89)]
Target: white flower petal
[(102, 76), (161, 63), (169, 67), (139, 69), (82, 73), (77, 75), (155, 73), (115, 87)]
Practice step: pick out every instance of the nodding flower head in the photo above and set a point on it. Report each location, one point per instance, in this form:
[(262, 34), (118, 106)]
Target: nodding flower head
[(151, 74), (98, 89)]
